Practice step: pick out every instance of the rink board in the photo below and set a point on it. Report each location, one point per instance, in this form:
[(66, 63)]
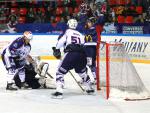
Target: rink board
[(137, 46)]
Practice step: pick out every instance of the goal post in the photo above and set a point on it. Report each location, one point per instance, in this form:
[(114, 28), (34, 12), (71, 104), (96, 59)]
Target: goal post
[(116, 75)]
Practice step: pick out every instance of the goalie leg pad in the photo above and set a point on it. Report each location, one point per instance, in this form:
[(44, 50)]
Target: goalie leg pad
[(44, 69), (50, 83)]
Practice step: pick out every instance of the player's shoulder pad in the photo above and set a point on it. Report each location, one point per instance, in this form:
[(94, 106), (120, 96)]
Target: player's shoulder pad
[(18, 42), (59, 37), (67, 30)]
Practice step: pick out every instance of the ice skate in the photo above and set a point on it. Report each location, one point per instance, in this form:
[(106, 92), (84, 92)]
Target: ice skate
[(11, 86), (59, 92), (90, 88), (90, 91), (57, 95), (94, 81), (25, 86)]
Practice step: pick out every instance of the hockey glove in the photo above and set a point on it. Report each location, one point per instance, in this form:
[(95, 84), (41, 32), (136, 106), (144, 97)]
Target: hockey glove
[(56, 52)]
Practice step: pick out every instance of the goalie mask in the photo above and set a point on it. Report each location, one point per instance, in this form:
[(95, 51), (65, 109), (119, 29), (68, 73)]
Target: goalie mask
[(91, 20)]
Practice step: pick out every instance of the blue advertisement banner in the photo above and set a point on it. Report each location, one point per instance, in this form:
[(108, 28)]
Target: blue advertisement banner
[(133, 28), (109, 28)]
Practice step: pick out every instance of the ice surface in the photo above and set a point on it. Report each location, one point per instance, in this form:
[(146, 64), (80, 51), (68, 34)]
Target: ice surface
[(75, 101)]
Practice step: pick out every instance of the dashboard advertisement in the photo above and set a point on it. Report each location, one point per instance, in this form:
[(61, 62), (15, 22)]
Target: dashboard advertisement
[(137, 46)]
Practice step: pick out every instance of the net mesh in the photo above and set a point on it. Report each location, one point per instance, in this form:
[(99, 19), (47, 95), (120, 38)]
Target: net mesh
[(124, 81)]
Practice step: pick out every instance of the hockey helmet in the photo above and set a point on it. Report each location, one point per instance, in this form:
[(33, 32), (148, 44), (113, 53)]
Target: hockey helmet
[(72, 23), (28, 35), (92, 20)]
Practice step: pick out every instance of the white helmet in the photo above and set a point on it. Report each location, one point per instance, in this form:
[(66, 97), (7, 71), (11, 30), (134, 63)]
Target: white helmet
[(28, 35), (72, 23)]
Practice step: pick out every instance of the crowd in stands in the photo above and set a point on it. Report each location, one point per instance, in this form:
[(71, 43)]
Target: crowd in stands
[(59, 11)]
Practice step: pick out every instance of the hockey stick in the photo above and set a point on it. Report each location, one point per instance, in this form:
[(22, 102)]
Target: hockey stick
[(77, 81)]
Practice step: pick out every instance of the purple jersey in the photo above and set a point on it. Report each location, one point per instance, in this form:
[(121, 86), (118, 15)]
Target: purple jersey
[(18, 48), (91, 36)]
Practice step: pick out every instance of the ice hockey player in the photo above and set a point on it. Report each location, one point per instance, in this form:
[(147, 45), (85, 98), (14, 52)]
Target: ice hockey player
[(14, 59), (91, 41), (35, 74), (90, 45), (74, 58)]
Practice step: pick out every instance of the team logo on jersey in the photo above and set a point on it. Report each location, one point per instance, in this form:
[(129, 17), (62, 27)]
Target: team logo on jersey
[(15, 45), (88, 38)]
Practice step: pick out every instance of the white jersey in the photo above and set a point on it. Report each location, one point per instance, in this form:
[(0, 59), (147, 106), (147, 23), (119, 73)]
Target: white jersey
[(71, 36)]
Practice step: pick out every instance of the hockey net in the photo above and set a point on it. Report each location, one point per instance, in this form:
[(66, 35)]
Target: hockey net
[(116, 75)]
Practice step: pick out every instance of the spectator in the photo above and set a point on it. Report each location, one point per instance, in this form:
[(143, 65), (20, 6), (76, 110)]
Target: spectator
[(104, 8), (40, 17), (52, 20), (11, 25), (67, 18), (3, 16), (147, 19), (30, 18), (48, 14), (120, 10), (148, 11), (112, 12), (95, 11), (85, 12), (62, 20), (140, 19)]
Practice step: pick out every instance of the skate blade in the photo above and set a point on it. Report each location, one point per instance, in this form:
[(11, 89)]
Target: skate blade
[(91, 93), (57, 97)]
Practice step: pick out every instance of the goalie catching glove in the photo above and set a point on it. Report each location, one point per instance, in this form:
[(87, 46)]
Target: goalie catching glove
[(56, 52)]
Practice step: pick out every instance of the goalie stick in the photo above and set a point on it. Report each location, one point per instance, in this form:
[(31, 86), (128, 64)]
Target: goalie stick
[(46, 71), (47, 74), (50, 75)]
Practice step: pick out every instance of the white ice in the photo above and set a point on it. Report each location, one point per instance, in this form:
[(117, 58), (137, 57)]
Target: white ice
[(75, 101)]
